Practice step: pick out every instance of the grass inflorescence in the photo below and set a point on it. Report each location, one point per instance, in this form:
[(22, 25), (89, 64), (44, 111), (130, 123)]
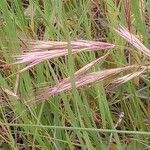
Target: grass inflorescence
[(74, 74)]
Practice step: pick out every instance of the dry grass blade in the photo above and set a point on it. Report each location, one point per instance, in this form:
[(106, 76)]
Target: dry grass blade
[(132, 40), (127, 9), (51, 49), (10, 93), (126, 78), (83, 80)]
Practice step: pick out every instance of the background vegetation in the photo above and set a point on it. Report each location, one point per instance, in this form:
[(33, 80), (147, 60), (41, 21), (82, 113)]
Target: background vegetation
[(84, 118)]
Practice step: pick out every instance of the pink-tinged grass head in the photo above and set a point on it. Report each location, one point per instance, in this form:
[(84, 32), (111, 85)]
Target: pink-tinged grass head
[(119, 81), (83, 80), (132, 40), (42, 51)]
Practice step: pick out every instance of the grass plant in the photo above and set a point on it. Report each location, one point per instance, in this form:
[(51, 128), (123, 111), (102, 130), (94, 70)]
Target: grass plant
[(74, 74)]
